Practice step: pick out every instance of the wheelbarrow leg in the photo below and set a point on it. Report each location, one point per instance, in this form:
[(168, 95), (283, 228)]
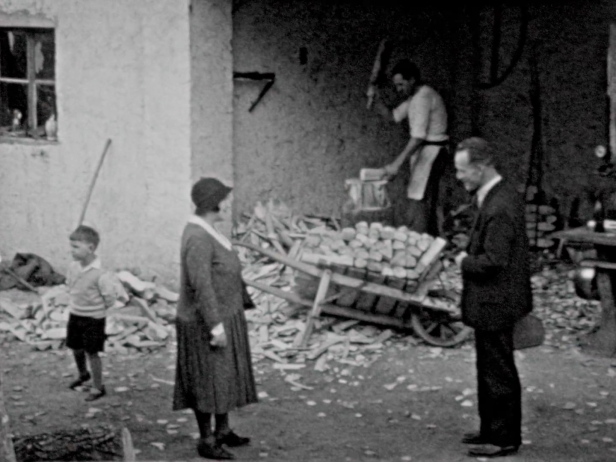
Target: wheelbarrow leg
[(315, 311)]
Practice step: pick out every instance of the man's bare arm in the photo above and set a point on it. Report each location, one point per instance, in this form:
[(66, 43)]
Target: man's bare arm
[(411, 147)]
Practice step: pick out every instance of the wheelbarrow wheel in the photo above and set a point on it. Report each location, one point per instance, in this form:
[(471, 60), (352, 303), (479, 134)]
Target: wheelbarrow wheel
[(439, 329)]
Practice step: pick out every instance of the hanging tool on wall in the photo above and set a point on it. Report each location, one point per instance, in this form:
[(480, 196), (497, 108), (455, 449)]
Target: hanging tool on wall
[(378, 70), (269, 78), (496, 79), (93, 182)]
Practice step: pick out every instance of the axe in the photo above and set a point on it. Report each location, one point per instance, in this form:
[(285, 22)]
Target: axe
[(378, 69)]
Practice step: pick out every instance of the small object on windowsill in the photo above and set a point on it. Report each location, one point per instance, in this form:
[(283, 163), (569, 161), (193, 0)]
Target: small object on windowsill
[(591, 225), (51, 128), (16, 122)]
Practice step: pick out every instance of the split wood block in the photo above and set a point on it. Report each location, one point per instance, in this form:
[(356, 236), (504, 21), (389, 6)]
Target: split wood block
[(367, 301), (385, 305), (433, 252), (12, 309), (545, 243), (546, 227), (350, 296)]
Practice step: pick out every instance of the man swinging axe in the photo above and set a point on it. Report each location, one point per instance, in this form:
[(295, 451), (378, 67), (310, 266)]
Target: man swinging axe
[(426, 150)]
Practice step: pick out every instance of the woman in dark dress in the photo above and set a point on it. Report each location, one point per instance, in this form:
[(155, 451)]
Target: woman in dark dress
[(214, 370)]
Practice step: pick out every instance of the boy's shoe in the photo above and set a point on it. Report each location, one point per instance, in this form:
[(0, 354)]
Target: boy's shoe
[(96, 394), (80, 381)]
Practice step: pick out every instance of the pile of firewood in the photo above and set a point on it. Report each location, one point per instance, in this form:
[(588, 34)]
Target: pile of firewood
[(541, 220), (140, 318), (276, 327), (400, 253)]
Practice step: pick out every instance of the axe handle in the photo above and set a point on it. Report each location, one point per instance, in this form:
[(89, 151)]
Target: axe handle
[(377, 69), (91, 188)]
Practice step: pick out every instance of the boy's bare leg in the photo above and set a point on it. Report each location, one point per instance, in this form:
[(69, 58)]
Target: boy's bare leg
[(97, 370), (80, 360)]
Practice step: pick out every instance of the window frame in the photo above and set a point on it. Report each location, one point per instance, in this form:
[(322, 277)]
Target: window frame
[(31, 81)]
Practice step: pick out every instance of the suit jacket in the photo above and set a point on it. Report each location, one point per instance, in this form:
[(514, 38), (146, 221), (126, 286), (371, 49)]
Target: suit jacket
[(496, 272), (211, 285)]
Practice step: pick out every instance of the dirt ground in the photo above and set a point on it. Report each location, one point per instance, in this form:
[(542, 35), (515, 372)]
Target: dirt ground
[(347, 415)]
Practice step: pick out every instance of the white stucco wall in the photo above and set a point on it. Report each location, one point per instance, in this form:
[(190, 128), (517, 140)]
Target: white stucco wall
[(123, 72), (211, 30), (211, 99)]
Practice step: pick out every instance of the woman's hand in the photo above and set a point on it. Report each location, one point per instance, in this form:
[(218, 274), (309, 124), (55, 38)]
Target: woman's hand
[(219, 337)]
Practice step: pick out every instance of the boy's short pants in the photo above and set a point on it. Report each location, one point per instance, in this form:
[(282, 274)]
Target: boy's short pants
[(85, 333)]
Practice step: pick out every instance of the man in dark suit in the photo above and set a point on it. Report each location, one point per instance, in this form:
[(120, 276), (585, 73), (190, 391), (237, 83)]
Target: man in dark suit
[(497, 293)]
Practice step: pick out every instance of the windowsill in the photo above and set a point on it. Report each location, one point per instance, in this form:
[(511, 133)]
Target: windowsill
[(27, 141)]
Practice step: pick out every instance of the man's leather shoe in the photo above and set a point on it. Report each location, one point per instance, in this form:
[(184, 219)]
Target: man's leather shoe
[(490, 450), (474, 438)]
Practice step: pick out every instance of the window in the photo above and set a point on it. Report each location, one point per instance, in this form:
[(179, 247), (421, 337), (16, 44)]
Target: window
[(27, 83)]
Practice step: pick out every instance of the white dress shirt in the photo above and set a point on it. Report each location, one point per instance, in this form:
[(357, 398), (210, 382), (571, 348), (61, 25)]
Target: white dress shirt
[(485, 189)]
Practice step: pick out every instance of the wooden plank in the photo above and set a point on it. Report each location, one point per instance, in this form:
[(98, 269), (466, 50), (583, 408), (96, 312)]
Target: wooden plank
[(412, 299), (367, 301), (583, 236), (432, 254), (373, 318), (386, 305), (598, 264), (350, 296), (402, 309), (7, 452), (32, 94), (316, 306), (321, 260), (127, 446)]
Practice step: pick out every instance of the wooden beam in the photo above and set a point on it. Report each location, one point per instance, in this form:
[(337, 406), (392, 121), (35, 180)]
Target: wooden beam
[(32, 94), (25, 20), (352, 313), (316, 306)]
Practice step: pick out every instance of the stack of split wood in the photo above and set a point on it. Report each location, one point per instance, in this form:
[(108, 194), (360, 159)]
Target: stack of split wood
[(541, 220), (400, 252), (276, 327), (140, 318), (274, 225)]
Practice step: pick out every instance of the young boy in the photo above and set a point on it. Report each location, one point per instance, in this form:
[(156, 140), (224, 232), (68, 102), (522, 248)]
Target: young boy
[(92, 291)]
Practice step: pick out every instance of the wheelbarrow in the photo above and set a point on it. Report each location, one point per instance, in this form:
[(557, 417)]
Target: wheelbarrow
[(370, 297)]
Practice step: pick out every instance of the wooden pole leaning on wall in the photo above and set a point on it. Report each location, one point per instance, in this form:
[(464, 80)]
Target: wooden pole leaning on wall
[(93, 182), (7, 452)]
